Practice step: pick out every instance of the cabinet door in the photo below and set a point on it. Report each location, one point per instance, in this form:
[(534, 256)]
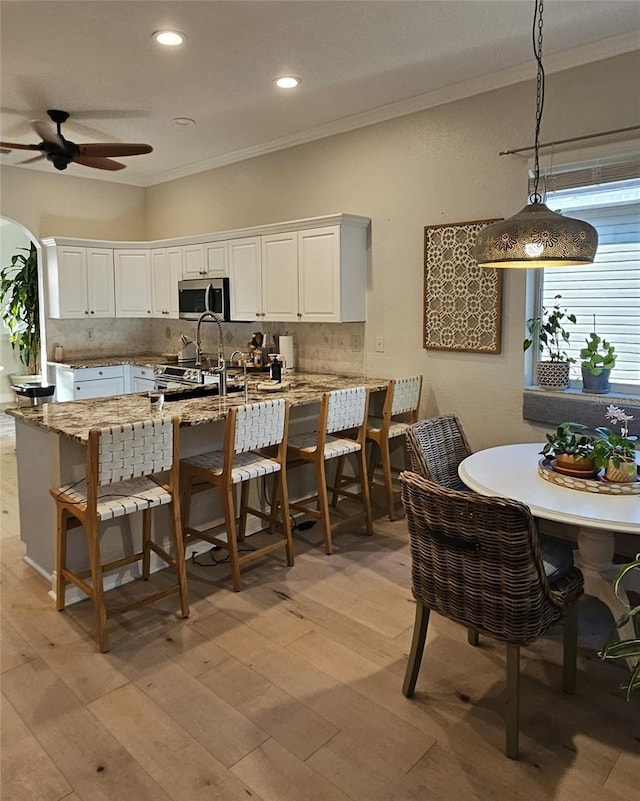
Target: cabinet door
[(280, 276), (245, 279), (216, 258), (133, 283), (319, 274), (100, 282), (166, 271), (102, 388), (193, 263), (142, 384), (72, 282)]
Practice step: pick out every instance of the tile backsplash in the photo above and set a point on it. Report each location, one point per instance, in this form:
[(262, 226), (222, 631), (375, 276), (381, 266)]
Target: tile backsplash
[(320, 347)]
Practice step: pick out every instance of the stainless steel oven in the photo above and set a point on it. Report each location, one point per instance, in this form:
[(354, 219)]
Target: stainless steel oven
[(201, 295)]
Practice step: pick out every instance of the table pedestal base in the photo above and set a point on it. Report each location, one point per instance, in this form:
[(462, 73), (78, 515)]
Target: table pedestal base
[(595, 558)]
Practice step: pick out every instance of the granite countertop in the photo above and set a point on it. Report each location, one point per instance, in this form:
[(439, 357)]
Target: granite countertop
[(73, 419), (141, 359)]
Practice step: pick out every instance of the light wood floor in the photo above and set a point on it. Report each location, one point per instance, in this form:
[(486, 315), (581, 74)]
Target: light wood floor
[(291, 691)]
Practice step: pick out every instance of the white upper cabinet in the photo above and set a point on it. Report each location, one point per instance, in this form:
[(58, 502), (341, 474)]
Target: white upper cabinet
[(166, 271), (133, 282), (245, 278), (280, 277), (80, 282), (193, 261), (217, 259)]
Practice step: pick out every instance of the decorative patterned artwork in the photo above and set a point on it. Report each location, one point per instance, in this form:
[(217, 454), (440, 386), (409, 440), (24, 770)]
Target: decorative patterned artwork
[(462, 301)]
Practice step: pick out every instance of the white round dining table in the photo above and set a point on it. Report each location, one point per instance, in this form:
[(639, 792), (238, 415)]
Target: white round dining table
[(511, 471)]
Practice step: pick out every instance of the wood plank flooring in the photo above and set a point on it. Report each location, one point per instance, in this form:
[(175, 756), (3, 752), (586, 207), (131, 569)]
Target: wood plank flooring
[(291, 691)]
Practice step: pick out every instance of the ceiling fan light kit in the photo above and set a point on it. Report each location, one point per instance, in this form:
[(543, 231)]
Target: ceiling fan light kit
[(61, 152), (536, 236)]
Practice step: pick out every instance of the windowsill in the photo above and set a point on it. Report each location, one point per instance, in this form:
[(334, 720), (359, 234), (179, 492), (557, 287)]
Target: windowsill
[(550, 407)]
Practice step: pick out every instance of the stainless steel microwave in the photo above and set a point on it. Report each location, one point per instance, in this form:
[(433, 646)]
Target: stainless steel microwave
[(201, 295)]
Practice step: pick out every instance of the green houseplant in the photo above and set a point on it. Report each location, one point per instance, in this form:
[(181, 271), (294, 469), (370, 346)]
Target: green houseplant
[(570, 447), (616, 452), (628, 648), (598, 358), (551, 335), (20, 309)]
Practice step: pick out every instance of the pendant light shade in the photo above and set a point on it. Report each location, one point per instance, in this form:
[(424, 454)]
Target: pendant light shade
[(536, 236)]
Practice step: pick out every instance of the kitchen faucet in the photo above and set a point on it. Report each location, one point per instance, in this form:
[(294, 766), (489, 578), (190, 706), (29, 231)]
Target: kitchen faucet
[(221, 369)]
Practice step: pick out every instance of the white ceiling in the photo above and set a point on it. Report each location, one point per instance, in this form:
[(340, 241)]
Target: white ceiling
[(360, 61)]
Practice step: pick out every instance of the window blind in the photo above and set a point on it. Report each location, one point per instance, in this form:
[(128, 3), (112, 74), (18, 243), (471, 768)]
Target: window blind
[(610, 287)]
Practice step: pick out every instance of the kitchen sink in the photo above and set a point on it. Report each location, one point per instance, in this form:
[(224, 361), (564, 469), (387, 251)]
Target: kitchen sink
[(189, 393)]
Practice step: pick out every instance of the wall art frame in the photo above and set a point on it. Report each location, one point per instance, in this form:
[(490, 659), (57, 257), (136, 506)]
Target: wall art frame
[(462, 301)]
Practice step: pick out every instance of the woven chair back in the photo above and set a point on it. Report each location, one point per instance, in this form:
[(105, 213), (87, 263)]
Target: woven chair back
[(476, 560), (406, 394), (347, 408), (131, 450), (436, 447), (259, 425)]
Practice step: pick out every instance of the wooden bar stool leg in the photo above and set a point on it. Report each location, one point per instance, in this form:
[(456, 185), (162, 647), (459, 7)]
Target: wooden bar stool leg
[(232, 540), (146, 544), (385, 456), (97, 594), (364, 487), (61, 555), (323, 504), (244, 505), (512, 702), (283, 493), (181, 568), (338, 481), (186, 484)]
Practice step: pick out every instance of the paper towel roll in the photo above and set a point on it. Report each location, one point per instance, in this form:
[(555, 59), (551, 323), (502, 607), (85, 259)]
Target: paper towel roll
[(287, 352)]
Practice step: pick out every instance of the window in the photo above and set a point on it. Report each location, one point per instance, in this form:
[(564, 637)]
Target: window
[(607, 291)]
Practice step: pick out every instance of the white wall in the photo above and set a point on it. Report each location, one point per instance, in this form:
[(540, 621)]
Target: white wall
[(436, 166)]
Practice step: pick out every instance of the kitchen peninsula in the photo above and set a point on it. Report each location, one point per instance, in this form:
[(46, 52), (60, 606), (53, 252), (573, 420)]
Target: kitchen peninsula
[(51, 450)]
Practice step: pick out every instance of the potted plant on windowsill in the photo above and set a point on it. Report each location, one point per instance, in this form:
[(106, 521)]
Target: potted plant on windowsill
[(598, 358), (616, 452), (19, 307), (570, 450), (551, 335)]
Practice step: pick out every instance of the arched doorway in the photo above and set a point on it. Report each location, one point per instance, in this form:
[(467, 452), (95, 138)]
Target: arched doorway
[(13, 236)]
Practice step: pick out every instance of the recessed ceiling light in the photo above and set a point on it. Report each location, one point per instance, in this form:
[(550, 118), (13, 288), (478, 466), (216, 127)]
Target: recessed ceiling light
[(169, 38), (287, 82), (184, 121)]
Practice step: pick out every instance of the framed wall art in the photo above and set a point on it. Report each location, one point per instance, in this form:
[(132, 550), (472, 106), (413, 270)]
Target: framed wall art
[(462, 301)]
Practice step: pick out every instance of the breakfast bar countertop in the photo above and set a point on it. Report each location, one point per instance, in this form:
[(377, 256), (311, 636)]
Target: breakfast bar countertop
[(73, 419)]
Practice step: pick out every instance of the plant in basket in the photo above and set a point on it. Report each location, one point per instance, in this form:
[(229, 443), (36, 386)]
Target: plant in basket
[(616, 452), (570, 448), (550, 332)]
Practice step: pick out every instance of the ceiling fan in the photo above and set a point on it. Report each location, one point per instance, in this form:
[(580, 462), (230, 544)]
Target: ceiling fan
[(61, 152)]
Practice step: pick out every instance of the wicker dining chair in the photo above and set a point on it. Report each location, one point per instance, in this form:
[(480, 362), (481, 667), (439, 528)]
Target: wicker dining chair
[(436, 447), (476, 560)]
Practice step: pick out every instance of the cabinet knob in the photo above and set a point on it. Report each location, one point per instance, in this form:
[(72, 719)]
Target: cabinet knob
[(78, 389), (86, 311), (148, 311), (100, 372), (92, 312), (299, 314)]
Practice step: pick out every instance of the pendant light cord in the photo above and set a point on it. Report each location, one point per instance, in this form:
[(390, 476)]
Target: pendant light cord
[(535, 197)]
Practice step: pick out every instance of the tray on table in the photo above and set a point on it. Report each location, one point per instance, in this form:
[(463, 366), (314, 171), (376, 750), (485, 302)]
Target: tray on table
[(597, 484)]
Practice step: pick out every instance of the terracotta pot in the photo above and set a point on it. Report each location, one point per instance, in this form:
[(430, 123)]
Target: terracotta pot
[(566, 460), (624, 474)]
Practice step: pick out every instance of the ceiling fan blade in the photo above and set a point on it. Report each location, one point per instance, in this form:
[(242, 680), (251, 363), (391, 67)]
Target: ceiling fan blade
[(16, 146), (35, 158), (46, 132), (99, 163), (113, 149)]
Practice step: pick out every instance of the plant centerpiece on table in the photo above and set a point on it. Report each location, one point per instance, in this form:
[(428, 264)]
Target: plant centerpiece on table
[(598, 358), (570, 448), (616, 452), (616, 648), (20, 308), (552, 337)]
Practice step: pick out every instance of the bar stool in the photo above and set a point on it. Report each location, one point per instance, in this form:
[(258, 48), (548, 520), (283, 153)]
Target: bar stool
[(342, 411), (402, 400), (248, 429), (121, 478)]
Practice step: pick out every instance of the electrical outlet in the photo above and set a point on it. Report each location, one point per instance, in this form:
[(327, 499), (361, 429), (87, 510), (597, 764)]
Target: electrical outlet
[(379, 344)]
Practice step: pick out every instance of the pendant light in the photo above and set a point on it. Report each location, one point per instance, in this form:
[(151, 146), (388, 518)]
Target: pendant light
[(536, 236)]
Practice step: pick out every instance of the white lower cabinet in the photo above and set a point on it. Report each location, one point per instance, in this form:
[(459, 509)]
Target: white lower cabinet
[(142, 379), (133, 282), (89, 382)]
